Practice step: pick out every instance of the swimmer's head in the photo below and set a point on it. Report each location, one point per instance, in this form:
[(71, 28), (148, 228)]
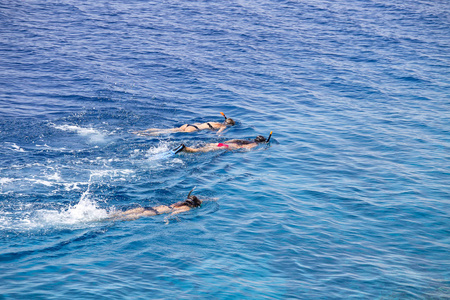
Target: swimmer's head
[(260, 139), (228, 121), (193, 201)]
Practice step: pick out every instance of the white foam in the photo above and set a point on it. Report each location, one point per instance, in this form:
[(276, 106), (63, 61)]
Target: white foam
[(16, 147), (114, 173), (161, 151), (160, 156), (94, 135), (73, 186), (3, 182), (55, 177), (55, 180), (62, 149), (43, 182), (161, 147), (6, 180), (85, 211)]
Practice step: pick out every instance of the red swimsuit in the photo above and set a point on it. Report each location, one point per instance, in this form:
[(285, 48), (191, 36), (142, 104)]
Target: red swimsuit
[(222, 145)]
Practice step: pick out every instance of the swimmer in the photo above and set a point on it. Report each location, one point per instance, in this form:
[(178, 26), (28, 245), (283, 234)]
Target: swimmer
[(191, 127), (228, 145), (191, 201)]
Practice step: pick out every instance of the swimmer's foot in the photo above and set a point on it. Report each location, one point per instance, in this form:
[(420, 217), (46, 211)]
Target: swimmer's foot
[(178, 149)]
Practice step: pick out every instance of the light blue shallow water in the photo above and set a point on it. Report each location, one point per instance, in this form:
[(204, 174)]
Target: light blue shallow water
[(350, 200)]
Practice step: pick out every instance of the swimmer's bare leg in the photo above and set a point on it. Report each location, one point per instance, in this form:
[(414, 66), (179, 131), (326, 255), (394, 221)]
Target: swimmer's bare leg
[(136, 210), (207, 148), (191, 150), (134, 214), (187, 128), (155, 131)]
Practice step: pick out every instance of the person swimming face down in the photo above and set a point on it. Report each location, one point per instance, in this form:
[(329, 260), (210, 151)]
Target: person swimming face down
[(227, 145), (215, 126), (228, 121), (191, 201)]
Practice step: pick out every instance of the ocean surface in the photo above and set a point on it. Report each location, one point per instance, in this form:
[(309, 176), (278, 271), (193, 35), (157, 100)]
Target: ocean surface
[(350, 200)]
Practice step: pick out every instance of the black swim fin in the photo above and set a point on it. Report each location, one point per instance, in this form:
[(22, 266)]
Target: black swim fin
[(178, 149)]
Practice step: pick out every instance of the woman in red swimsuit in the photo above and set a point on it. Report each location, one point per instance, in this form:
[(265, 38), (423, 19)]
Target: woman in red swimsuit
[(228, 145)]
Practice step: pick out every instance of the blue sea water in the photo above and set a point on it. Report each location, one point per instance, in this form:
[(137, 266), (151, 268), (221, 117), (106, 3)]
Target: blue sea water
[(351, 199)]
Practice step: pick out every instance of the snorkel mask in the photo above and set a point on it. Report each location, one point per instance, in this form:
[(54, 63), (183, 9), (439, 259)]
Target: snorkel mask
[(228, 121), (261, 139), (192, 201)]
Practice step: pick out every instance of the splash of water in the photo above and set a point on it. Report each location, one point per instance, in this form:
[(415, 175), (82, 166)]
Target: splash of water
[(94, 135), (85, 211), (83, 214)]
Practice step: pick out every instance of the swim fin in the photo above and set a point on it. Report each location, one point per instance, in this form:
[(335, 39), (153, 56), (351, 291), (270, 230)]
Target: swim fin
[(178, 149)]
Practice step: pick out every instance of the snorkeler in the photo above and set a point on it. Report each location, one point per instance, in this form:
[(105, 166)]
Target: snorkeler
[(191, 127), (228, 145), (191, 201)]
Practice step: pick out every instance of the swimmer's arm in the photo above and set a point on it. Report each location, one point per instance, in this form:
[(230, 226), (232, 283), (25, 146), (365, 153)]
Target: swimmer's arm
[(180, 210), (175, 212), (222, 128)]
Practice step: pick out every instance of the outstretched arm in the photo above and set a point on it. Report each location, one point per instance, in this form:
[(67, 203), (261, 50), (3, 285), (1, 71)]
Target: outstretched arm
[(222, 128), (179, 210)]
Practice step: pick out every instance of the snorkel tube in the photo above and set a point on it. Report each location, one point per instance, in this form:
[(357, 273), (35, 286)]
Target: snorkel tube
[(268, 139), (192, 201), (189, 195), (228, 121)]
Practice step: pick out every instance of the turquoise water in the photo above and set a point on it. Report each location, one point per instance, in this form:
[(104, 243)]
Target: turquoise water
[(350, 199)]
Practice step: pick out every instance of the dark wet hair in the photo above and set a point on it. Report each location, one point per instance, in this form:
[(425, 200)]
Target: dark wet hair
[(230, 121), (260, 139), (193, 201)]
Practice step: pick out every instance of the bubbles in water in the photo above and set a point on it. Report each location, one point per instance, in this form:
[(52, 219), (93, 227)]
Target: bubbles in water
[(15, 147), (94, 135), (85, 211), (23, 217)]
